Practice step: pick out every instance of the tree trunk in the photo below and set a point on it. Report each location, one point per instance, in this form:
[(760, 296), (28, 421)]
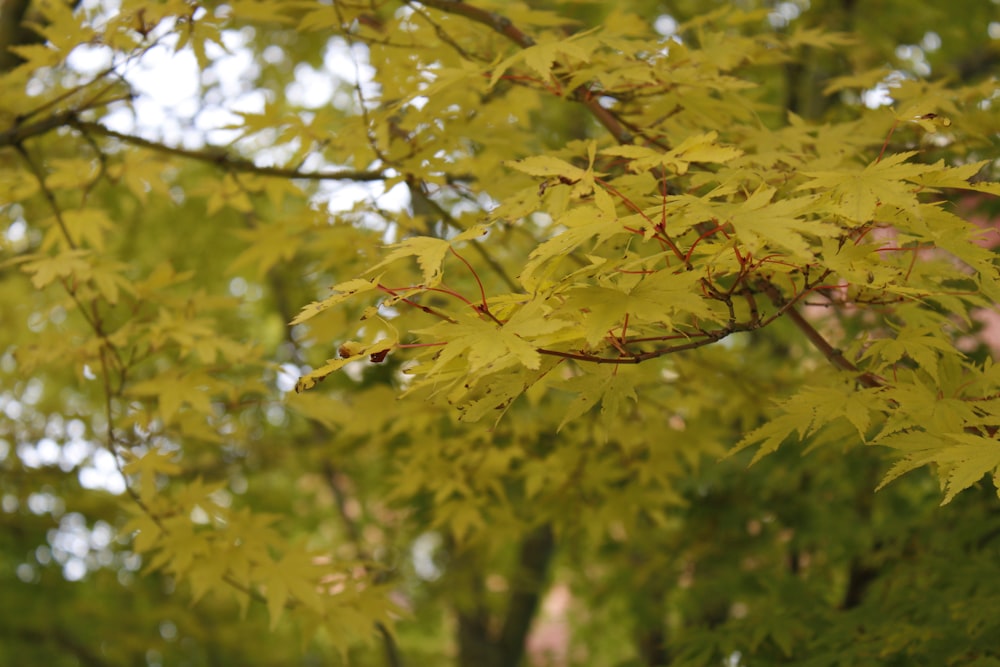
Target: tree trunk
[(481, 646)]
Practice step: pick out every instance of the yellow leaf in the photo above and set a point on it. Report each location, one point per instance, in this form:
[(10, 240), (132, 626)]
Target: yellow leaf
[(357, 352), (174, 389), (429, 251), (67, 263), (859, 191), (341, 292), (546, 165), (697, 148), (153, 463)]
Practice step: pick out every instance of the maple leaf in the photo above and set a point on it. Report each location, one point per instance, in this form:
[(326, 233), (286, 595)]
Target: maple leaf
[(294, 574), (546, 165), (482, 344), (585, 225), (147, 467), (858, 192), (972, 457), (268, 246), (656, 298), (429, 251), (611, 388), (540, 57), (341, 292), (697, 148), (963, 457), (350, 352), (760, 220), (175, 389)]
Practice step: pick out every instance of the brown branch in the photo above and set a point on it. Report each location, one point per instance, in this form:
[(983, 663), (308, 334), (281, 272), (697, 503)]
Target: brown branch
[(20, 132), (604, 116), (832, 354), (219, 156), (340, 500), (482, 642), (496, 22), (784, 307), (709, 338), (211, 154), (504, 26)]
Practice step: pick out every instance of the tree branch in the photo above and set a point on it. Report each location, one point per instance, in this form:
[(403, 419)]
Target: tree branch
[(496, 22), (221, 157), (832, 354), (480, 642), (20, 132), (212, 154), (504, 26)]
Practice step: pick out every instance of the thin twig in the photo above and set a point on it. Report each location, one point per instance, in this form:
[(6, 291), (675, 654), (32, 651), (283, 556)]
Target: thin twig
[(50, 197)]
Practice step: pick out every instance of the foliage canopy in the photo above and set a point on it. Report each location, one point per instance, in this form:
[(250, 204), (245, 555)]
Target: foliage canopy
[(415, 316)]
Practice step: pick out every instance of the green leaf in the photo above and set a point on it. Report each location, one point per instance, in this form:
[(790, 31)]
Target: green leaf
[(657, 298), (858, 192), (172, 390), (962, 458), (968, 461), (587, 226), (760, 221)]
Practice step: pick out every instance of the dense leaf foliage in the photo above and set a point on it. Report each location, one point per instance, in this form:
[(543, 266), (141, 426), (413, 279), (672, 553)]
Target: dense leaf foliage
[(446, 330)]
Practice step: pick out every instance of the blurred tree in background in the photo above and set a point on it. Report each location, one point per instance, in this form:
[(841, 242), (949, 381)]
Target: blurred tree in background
[(588, 260)]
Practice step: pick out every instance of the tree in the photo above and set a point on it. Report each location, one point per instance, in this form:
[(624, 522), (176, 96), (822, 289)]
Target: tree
[(462, 355)]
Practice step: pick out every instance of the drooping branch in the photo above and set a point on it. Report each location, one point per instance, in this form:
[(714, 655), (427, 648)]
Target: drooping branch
[(623, 135), (702, 338)]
